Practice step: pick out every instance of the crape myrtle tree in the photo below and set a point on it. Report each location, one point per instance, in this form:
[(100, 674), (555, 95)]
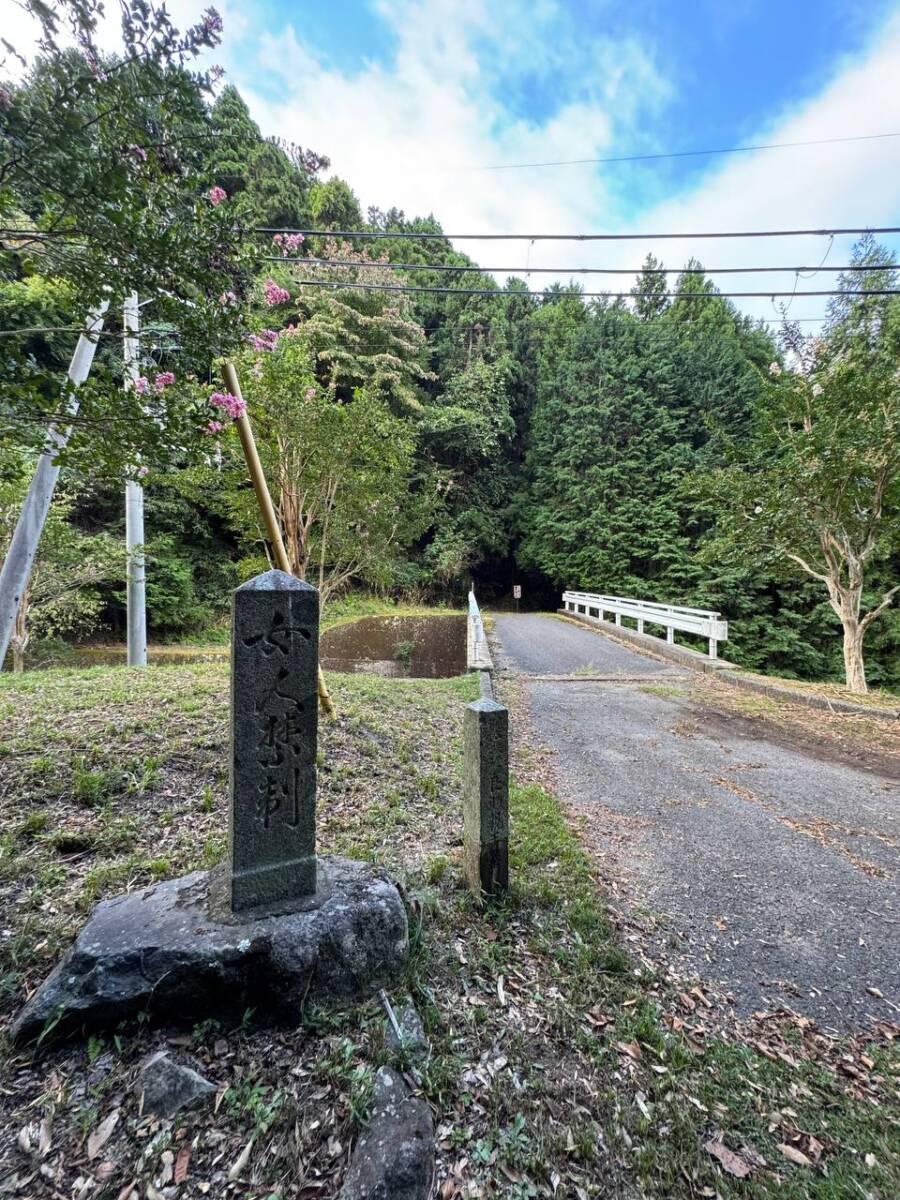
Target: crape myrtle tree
[(338, 466), (817, 481), (102, 188)]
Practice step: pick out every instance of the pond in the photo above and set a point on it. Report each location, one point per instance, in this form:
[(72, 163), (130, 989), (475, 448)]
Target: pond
[(398, 647), (110, 655)]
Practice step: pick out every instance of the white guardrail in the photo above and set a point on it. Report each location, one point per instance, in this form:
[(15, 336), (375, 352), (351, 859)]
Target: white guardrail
[(671, 616), (478, 656)]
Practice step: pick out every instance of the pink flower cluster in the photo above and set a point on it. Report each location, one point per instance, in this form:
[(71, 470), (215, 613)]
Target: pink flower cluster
[(214, 427), (274, 294), (231, 404), (217, 195), (212, 22), (266, 340), (138, 151), (288, 242), (228, 300), (310, 393), (161, 381)]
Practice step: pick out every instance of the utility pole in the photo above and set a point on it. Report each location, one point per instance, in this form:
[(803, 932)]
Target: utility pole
[(23, 547), (134, 508)]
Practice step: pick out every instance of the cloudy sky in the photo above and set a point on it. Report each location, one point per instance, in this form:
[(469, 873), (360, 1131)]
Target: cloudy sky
[(425, 104)]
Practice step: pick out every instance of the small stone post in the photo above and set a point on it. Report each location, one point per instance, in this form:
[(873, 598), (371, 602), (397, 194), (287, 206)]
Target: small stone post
[(486, 797), (274, 724)]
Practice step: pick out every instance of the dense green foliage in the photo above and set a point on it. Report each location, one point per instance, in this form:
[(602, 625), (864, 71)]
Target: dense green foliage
[(506, 436)]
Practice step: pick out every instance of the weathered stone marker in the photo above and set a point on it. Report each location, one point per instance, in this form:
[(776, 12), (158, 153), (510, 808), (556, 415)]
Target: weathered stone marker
[(272, 927), (486, 797), (274, 715)]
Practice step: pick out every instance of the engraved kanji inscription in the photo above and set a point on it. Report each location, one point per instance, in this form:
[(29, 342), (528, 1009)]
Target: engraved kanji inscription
[(274, 728)]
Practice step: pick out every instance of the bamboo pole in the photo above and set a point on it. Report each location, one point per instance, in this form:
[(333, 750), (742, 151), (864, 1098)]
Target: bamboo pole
[(267, 508)]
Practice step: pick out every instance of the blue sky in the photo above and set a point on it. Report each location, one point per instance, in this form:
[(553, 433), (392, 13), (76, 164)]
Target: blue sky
[(414, 99)]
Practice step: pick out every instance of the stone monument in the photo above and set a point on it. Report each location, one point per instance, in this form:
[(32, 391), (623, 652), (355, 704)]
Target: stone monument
[(274, 714), (273, 927)]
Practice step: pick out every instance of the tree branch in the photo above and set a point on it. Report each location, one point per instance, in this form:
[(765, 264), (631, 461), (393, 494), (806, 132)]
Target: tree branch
[(875, 612)]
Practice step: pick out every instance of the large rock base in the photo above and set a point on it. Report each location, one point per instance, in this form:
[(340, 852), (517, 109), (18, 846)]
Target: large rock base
[(173, 952)]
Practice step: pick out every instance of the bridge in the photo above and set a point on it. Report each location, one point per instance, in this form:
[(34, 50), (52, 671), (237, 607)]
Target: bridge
[(745, 854)]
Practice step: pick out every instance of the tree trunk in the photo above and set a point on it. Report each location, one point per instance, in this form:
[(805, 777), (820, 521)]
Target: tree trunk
[(854, 667)]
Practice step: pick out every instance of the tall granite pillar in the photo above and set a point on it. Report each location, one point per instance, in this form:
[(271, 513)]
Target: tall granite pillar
[(274, 719), (486, 797)]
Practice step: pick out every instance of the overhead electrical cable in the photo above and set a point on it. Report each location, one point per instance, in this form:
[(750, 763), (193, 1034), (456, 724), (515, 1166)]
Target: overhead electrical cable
[(627, 158), (410, 235), (498, 293), (393, 266)]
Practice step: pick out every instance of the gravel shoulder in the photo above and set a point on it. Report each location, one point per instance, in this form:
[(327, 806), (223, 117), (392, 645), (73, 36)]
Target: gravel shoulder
[(764, 866)]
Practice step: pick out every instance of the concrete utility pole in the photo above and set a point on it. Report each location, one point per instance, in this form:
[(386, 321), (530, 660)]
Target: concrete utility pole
[(30, 526), (134, 509)]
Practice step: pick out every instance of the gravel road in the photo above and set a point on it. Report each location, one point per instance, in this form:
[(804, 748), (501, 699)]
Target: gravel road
[(769, 872)]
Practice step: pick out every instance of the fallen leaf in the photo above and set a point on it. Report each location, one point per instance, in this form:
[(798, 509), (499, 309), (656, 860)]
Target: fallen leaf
[(501, 994), (731, 1162), (102, 1133), (240, 1162), (794, 1155), (632, 1049), (876, 992), (181, 1164), (45, 1137), (815, 1148)]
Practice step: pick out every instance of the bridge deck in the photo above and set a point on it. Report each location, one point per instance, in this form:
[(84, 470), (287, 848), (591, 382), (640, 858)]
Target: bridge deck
[(778, 871)]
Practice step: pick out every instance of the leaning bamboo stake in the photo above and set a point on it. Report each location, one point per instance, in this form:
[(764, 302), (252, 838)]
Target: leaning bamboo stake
[(267, 508)]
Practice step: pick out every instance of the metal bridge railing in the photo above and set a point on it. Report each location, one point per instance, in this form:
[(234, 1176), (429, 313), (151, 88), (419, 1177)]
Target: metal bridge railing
[(699, 621)]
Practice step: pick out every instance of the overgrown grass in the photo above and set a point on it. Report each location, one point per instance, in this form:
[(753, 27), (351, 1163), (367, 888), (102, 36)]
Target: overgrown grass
[(560, 1064)]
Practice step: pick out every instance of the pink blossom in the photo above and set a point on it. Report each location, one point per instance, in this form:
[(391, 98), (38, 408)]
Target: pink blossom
[(143, 472), (217, 195), (163, 380), (274, 294), (228, 299), (231, 404), (288, 242), (141, 384), (310, 393), (214, 427), (137, 151), (212, 22), (266, 340)]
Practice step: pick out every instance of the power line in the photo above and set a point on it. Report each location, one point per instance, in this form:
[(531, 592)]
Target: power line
[(626, 158), (579, 237), (497, 293), (393, 266)]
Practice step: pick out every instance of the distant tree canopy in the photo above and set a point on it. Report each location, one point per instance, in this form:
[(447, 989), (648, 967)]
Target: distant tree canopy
[(455, 436)]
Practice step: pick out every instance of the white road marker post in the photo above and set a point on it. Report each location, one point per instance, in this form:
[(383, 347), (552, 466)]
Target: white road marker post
[(23, 547), (136, 590)]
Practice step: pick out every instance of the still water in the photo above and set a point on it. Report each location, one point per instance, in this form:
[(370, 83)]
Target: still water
[(400, 647)]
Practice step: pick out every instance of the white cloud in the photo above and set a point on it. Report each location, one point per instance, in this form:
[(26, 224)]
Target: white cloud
[(389, 128), (401, 130)]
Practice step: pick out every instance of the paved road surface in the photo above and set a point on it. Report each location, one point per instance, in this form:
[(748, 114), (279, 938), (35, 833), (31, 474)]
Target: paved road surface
[(778, 873)]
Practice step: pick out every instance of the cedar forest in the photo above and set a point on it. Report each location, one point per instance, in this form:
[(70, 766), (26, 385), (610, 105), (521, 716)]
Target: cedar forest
[(417, 440)]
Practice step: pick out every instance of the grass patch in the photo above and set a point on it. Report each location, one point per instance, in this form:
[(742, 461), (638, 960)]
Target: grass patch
[(560, 1065)]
